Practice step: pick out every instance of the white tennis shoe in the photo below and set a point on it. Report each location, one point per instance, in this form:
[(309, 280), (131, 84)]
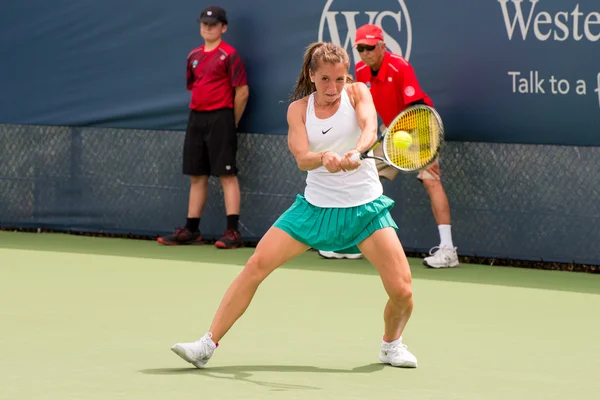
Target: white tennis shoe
[(197, 353), (339, 256), (397, 355), (442, 257)]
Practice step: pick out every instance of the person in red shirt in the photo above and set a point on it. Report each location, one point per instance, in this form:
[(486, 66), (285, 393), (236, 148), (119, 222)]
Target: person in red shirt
[(394, 87), (216, 77)]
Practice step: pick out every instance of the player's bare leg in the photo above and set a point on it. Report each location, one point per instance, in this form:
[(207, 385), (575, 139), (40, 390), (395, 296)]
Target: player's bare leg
[(275, 248), (384, 251)]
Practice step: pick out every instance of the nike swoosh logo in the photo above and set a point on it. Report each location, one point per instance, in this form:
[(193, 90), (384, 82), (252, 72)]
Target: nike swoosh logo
[(324, 132)]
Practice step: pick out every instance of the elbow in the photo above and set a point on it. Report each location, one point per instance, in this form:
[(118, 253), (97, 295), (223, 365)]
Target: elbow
[(371, 138), (302, 166)]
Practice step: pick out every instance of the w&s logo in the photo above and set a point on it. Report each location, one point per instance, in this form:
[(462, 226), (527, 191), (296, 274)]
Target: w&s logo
[(341, 18)]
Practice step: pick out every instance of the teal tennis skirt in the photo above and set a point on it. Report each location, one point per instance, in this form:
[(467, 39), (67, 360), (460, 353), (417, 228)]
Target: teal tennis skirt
[(335, 229)]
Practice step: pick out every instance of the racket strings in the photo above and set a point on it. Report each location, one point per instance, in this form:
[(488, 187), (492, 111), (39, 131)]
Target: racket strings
[(425, 132)]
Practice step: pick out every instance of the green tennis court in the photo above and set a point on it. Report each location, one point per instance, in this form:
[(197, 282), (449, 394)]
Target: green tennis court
[(94, 318)]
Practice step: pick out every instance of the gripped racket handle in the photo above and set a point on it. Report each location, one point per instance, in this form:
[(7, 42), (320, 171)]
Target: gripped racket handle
[(355, 157)]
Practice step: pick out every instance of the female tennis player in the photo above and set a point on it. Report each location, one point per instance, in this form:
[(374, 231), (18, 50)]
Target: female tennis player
[(330, 119)]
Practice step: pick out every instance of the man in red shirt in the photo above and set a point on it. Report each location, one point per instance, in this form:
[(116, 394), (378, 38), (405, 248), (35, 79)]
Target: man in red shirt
[(394, 87), (216, 77)]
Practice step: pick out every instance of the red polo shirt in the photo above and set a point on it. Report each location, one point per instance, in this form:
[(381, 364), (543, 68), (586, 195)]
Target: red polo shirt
[(213, 75), (394, 87)]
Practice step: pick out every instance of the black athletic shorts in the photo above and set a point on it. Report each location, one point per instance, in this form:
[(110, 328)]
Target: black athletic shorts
[(210, 144)]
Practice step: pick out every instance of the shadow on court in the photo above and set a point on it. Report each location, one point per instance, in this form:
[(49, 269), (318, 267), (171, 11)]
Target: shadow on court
[(246, 372)]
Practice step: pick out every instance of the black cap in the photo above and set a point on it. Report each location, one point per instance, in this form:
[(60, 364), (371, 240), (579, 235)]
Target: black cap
[(213, 14)]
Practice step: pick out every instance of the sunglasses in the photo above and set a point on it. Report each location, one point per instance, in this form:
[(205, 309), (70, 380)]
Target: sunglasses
[(362, 47)]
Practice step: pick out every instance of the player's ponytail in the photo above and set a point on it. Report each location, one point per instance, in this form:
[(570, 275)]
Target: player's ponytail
[(315, 53)]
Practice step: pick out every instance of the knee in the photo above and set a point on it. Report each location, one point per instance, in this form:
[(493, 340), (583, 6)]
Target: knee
[(256, 269), (401, 291)]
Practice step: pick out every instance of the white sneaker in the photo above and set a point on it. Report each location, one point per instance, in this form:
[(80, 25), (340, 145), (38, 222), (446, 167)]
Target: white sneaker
[(442, 257), (397, 355), (339, 256), (197, 353)]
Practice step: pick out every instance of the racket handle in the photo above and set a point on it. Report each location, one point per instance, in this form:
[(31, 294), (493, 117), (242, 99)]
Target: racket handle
[(355, 157)]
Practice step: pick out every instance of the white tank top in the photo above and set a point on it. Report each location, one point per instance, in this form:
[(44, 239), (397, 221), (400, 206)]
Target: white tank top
[(338, 133)]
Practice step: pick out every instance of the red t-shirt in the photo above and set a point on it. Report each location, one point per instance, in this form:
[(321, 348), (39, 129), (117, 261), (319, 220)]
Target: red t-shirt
[(394, 87), (213, 75)]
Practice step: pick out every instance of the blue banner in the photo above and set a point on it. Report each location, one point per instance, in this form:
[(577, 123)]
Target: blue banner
[(516, 71)]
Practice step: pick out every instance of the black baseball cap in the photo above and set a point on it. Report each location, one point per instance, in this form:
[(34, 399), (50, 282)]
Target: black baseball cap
[(213, 14)]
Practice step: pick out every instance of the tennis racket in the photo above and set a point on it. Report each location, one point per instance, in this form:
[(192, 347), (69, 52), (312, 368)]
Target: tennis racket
[(425, 127)]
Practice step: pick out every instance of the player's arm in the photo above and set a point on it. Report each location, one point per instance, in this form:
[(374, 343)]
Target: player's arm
[(298, 143), (366, 116), (298, 139)]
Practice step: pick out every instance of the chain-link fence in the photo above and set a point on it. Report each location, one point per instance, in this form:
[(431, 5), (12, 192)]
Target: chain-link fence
[(529, 202)]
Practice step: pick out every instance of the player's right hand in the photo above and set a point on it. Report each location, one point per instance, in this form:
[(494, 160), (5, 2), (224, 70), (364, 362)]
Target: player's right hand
[(332, 162)]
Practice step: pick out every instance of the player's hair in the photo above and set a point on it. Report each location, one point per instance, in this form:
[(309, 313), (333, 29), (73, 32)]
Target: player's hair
[(318, 52)]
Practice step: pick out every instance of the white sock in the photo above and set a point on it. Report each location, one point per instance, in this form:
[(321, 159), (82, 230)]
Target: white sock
[(399, 340), (446, 236)]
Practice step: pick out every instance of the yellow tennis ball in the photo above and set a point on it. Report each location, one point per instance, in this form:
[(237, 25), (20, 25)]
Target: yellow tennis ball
[(402, 140)]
